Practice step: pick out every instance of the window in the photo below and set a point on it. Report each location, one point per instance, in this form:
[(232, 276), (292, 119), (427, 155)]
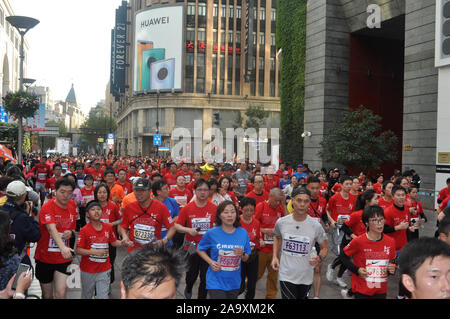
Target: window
[(272, 64), (189, 85), (215, 36), (230, 36), (272, 39), (273, 15), (261, 88), (255, 13), (261, 63), (262, 38), (190, 58), (254, 38), (238, 36), (200, 85), (202, 9), (201, 34), (224, 11), (238, 12), (222, 37), (216, 10), (191, 9), (231, 11), (190, 34), (262, 14)]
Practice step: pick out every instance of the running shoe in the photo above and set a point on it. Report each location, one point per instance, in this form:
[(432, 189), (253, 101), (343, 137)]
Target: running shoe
[(344, 293), (341, 282), (331, 277)]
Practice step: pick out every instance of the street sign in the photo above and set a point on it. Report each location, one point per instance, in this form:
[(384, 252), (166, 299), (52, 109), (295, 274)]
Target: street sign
[(157, 140), (164, 149), (100, 140)]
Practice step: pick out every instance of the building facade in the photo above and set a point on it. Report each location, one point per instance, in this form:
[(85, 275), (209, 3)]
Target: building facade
[(10, 52), (390, 69), (217, 88)]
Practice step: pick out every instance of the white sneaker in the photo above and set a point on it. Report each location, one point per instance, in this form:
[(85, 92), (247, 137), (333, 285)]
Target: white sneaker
[(316, 298), (330, 274), (341, 282), (344, 294)]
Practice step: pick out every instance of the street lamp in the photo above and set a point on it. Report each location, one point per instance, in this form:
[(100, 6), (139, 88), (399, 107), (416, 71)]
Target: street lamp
[(23, 25)]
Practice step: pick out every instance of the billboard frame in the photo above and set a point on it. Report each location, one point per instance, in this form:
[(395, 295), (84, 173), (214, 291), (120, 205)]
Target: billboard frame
[(183, 53)]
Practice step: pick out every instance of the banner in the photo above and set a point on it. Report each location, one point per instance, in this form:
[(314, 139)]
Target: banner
[(119, 51), (37, 123), (159, 49)]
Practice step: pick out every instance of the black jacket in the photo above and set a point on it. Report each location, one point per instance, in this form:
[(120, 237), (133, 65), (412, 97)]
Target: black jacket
[(24, 228)]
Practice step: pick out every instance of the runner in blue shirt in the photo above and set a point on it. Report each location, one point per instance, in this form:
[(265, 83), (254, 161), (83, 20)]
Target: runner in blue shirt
[(228, 244)]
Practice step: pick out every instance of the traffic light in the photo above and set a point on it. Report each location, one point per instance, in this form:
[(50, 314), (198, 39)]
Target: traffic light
[(216, 117), (445, 28)]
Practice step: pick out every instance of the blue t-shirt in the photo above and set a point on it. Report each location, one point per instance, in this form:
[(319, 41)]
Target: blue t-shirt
[(299, 175), (221, 245), (174, 211), (284, 183)]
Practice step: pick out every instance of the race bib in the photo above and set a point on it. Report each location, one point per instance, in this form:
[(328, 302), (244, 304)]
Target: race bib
[(99, 259), (268, 239), (181, 200), (342, 218), (42, 176), (414, 221), (144, 234), (295, 245), (228, 260), (377, 270), (53, 247), (202, 223)]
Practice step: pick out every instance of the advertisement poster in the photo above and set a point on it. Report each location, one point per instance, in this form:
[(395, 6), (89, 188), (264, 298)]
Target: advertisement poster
[(159, 50)]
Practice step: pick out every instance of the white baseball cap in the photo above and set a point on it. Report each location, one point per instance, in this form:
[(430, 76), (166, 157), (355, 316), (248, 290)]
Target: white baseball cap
[(16, 189), (141, 171)]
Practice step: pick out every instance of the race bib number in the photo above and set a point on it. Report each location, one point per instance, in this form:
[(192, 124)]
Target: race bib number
[(99, 259), (202, 223), (295, 245), (342, 218), (53, 247), (42, 176), (414, 221), (144, 234), (377, 270), (105, 220), (228, 260)]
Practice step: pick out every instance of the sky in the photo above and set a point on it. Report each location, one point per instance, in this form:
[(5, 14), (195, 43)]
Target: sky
[(70, 45)]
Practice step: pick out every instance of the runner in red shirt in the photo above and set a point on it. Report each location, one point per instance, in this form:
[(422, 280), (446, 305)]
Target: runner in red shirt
[(97, 173), (57, 221), (122, 181), (386, 199), (50, 184), (249, 269), (194, 220), (372, 254), (180, 193), (258, 192), (143, 219), (196, 176), (271, 181), (188, 175), (444, 193), (267, 213), (171, 176), (42, 171), (417, 216), (93, 242)]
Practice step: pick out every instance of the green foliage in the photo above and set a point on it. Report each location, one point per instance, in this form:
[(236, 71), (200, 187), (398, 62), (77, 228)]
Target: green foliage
[(357, 141), (62, 127), (256, 115), (291, 38), (21, 104), (26, 145), (9, 132), (97, 125)]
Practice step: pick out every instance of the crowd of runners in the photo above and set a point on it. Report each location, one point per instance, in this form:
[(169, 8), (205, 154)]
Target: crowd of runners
[(222, 224)]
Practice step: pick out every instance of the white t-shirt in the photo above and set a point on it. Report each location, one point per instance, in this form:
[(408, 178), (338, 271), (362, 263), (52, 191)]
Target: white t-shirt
[(298, 238)]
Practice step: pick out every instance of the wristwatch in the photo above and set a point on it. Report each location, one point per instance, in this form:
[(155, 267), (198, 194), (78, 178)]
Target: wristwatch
[(19, 295)]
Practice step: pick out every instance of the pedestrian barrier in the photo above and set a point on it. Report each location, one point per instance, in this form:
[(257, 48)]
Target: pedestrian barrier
[(427, 197)]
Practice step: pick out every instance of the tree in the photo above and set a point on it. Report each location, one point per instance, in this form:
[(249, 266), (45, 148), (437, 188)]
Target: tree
[(97, 125), (256, 115), (291, 39), (358, 141)]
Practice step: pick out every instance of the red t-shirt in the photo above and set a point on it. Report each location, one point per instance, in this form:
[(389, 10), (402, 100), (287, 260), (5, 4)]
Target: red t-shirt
[(47, 251), (127, 187), (336, 188), (258, 198), (50, 184), (317, 208), (88, 195), (233, 196), (374, 256), (182, 197), (90, 238), (445, 203), (254, 232), (270, 183), (378, 188), (338, 206), (444, 193), (192, 216), (189, 176), (111, 213), (384, 204), (267, 217), (145, 225), (355, 223), (323, 188), (394, 217), (98, 175), (171, 180), (42, 172)]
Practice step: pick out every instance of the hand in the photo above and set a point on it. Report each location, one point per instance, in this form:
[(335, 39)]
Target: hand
[(315, 261), (238, 251), (127, 243), (66, 252), (362, 272), (100, 252), (333, 225), (67, 235), (275, 263), (193, 232), (392, 268), (402, 226), (215, 266), (262, 243), (24, 282)]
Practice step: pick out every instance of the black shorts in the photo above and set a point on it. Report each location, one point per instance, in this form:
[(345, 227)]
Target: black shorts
[(44, 271)]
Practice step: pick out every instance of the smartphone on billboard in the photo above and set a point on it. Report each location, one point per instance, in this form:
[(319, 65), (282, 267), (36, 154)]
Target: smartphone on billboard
[(148, 58), (162, 75), (141, 46)]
